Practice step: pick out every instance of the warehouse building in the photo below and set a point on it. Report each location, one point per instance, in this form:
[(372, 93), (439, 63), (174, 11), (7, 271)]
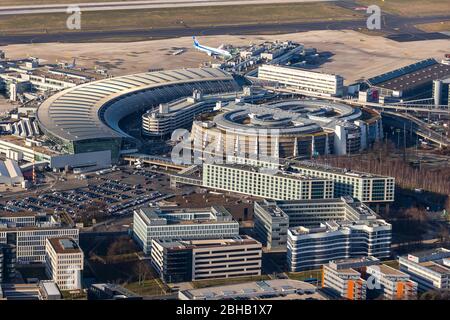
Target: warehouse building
[(303, 81), (180, 261), (174, 223), (10, 173), (414, 81)]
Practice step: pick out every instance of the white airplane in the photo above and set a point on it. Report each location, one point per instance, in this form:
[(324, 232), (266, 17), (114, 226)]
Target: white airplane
[(212, 51)]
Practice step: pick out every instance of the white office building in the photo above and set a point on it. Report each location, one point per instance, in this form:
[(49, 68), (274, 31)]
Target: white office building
[(394, 284), (256, 181), (64, 263), (273, 218), (310, 248), (430, 269), (30, 240), (366, 187), (303, 81), (205, 223)]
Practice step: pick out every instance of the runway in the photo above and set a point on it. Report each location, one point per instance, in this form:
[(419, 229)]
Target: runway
[(396, 27), (136, 5)]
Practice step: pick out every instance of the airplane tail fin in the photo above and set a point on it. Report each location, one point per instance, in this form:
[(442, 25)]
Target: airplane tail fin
[(195, 41)]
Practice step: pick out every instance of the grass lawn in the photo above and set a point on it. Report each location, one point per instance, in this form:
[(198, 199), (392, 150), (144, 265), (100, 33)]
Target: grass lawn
[(304, 275), (177, 17), (435, 27), (410, 7), (39, 2), (151, 287), (221, 282)]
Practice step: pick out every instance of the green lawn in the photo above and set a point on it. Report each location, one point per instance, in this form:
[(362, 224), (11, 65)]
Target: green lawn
[(177, 17), (152, 287), (302, 276), (410, 7)]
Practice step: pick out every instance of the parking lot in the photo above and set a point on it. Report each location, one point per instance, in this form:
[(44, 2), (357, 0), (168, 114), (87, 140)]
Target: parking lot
[(114, 194)]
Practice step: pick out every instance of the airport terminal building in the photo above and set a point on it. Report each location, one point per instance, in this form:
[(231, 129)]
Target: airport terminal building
[(86, 118)]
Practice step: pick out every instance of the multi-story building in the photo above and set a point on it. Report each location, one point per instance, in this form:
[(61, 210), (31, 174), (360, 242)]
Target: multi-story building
[(18, 219), (7, 262), (343, 278), (185, 224), (366, 187), (64, 262), (273, 218), (256, 181), (177, 114), (310, 248), (270, 225), (395, 285), (30, 241), (430, 269), (178, 261), (303, 81)]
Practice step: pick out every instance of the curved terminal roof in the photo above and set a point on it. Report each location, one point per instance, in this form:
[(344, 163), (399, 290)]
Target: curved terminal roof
[(93, 110)]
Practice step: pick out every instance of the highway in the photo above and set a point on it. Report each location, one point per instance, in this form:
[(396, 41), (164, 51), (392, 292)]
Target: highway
[(135, 5)]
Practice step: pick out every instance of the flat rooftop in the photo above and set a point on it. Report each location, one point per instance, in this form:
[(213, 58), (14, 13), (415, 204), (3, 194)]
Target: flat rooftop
[(258, 290), (262, 170), (208, 243), (64, 245), (329, 169), (20, 142), (413, 76)]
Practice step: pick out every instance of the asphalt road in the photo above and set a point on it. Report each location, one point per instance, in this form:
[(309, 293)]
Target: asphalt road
[(398, 28)]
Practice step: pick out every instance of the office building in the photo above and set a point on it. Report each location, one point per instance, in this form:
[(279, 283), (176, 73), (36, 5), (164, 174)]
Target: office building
[(30, 241), (180, 261), (430, 269), (64, 262), (366, 187), (273, 218), (303, 81), (394, 284), (43, 290), (185, 224), (162, 121), (256, 181), (311, 247), (7, 262), (343, 277)]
